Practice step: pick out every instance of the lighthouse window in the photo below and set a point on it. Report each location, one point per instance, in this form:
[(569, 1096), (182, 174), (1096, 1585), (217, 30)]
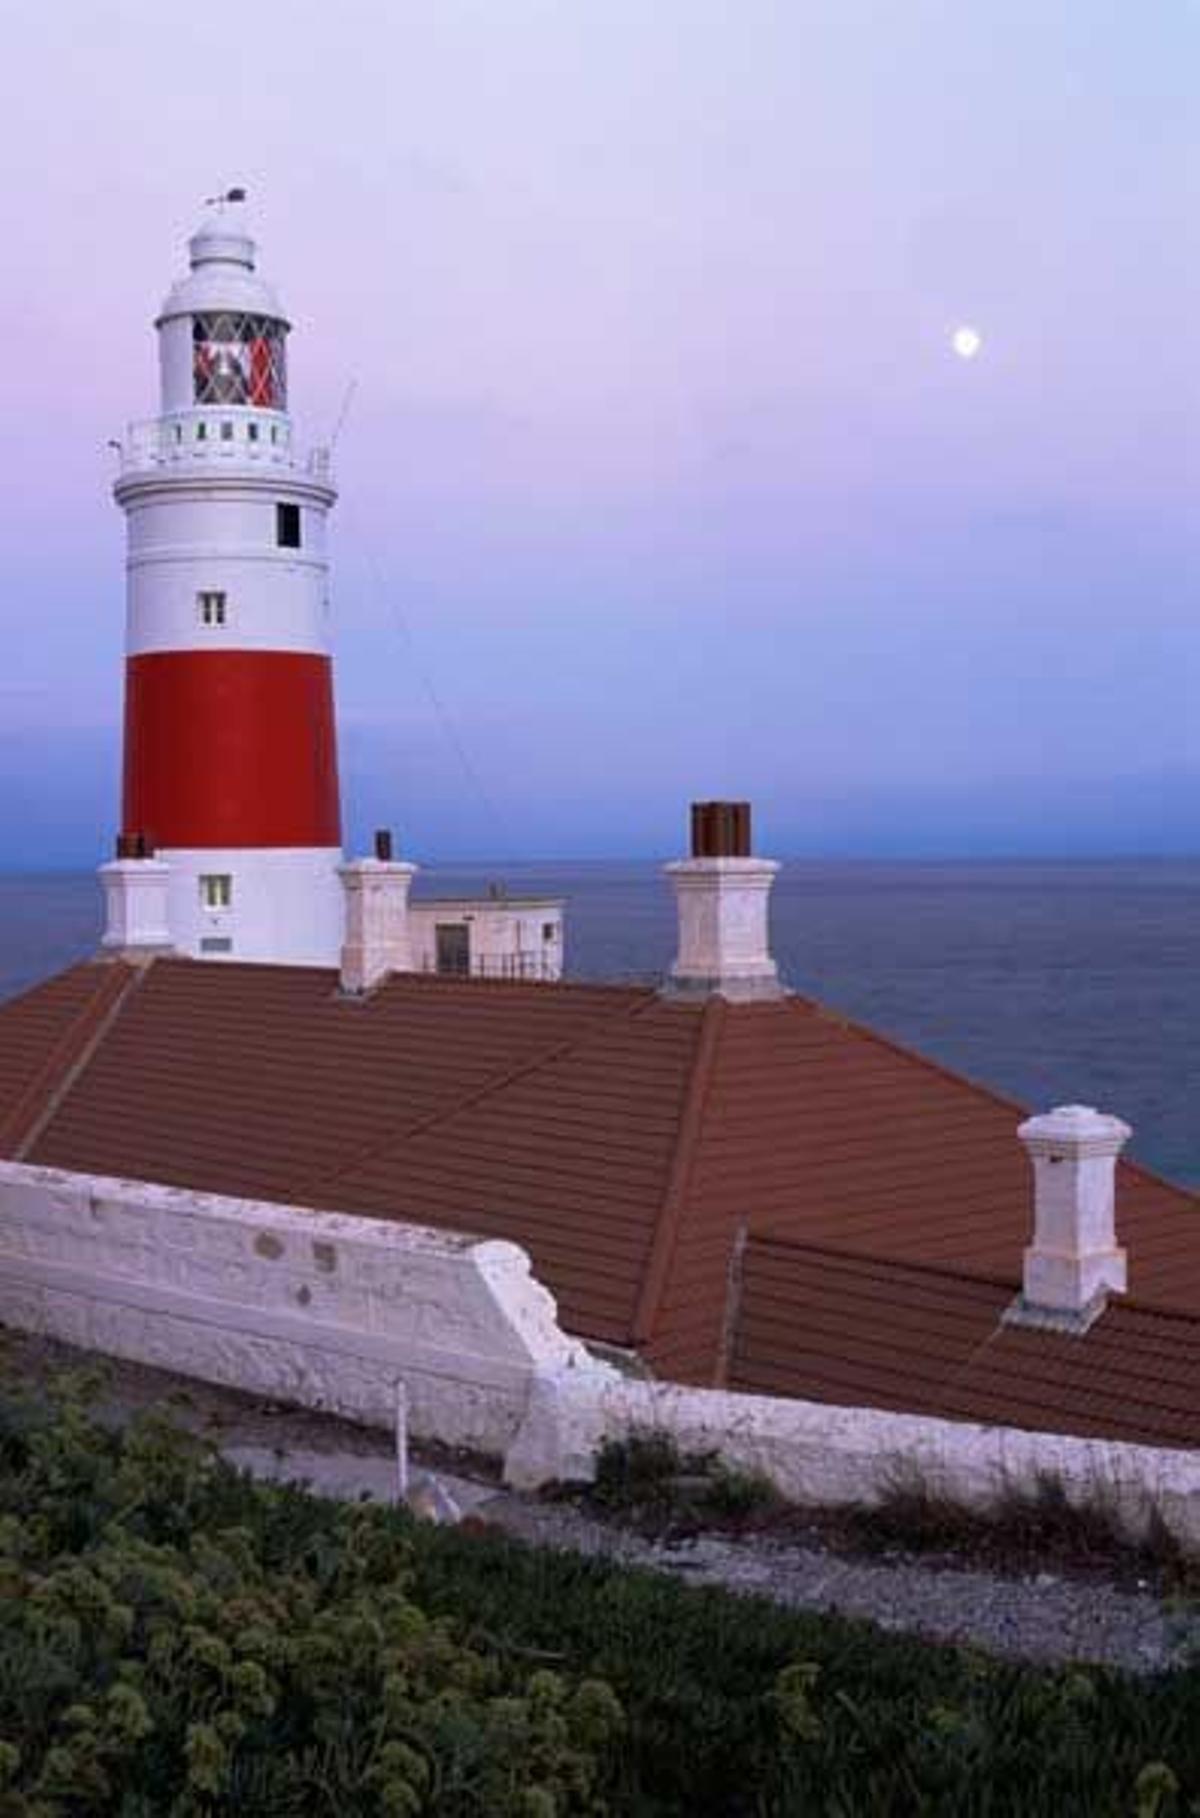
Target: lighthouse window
[(287, 526), (216, 890), (212, 608), (238, 359)]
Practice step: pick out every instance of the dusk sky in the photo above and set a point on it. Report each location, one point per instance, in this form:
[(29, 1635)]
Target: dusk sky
[(661, 477)]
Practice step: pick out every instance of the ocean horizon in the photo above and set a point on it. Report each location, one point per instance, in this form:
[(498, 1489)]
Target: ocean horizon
[(1073, 980)]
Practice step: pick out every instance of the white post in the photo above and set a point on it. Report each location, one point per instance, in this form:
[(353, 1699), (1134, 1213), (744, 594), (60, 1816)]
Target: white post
[(1074, 1261), (401, 1440)]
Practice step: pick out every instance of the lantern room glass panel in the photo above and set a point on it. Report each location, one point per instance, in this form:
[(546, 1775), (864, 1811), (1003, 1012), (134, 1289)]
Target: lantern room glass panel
[(239, 359)]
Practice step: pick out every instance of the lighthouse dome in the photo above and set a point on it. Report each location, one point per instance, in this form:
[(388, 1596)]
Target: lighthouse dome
[(221, 254), (221, 239)]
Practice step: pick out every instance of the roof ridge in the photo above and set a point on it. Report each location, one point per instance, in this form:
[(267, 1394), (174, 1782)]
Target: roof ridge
[(48, 1086), (670, 1215), (543, 1058), (797, 1002)]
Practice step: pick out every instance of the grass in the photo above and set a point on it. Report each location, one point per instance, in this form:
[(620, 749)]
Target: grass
[(1029, 1528), (647, 1483), (176, 1638)]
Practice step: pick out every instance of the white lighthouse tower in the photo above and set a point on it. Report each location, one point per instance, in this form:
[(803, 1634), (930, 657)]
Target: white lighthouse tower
[(230, 765)]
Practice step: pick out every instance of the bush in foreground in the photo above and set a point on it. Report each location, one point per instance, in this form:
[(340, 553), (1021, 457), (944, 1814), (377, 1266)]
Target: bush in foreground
[(176, 1639)]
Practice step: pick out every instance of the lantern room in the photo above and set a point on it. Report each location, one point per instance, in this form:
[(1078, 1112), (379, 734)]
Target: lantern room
[(222, 332)]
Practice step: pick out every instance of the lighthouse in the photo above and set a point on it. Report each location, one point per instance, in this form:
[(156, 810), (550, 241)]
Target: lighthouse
[(230, 825)]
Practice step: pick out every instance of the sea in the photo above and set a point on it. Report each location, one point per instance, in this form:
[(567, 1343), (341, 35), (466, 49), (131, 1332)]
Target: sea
[(1054, 982)]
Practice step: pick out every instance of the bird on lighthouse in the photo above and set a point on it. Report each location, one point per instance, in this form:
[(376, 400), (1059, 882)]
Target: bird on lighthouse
[(230, 833)]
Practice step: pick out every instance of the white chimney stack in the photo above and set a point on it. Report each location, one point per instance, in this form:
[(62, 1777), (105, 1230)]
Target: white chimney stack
[(136, 924), (378, 939), (722, 895), (1074, 1261)]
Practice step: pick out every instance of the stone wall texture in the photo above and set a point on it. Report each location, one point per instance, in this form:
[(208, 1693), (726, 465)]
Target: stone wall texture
[(334, 1312), (318, 1308)]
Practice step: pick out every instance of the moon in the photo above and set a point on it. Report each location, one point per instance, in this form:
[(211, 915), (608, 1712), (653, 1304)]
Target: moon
[(966, 341)]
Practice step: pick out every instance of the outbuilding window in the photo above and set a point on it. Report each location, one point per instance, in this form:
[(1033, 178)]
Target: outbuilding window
[(216, 890)]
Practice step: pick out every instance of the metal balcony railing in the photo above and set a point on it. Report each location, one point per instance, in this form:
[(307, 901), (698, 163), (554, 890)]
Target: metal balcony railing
[(172, 444), (529, 967)]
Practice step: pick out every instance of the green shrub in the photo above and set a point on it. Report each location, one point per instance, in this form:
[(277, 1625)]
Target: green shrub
[(175, 1639)]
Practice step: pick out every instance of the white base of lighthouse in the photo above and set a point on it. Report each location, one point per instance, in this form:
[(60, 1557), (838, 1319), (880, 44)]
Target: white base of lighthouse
[(280, 904)]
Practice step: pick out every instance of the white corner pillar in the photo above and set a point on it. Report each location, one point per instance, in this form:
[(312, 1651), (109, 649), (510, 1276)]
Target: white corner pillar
[(722, 894), (377, 935), (136, 922), (1074, 1261)]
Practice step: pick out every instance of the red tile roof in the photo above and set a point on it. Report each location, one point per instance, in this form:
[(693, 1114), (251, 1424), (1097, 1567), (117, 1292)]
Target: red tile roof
[(849, 1329), (47, 1033), (632, 1143)]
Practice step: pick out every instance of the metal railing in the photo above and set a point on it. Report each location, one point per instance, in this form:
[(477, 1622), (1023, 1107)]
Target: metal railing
[(528, 967), (154, 445)]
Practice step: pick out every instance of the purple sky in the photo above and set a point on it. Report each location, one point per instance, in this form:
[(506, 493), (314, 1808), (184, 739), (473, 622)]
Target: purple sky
[(661, 479)]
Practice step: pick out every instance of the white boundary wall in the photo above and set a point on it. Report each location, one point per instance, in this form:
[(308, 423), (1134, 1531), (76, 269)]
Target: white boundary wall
[(319, 1308), (333, 1312), (817, 1453)]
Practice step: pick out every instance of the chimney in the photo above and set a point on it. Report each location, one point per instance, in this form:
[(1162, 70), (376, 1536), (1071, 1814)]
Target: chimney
[(1074, 1262), (721, 893), (136, 924), (377, 935)]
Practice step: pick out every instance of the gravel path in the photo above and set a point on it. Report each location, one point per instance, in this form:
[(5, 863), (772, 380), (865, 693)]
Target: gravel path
[(1049, 1619), (1045, 1618)]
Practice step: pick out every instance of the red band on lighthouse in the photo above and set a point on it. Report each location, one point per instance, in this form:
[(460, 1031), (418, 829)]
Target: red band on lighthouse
[(231, 748)]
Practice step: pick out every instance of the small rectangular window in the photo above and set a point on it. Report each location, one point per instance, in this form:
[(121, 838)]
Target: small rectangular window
[(201, 432), (549, 931), (287, 526), (215, 943), (179, 432), (227, 432), (274, 432), (211, 607), (216, 890), (252, 432)]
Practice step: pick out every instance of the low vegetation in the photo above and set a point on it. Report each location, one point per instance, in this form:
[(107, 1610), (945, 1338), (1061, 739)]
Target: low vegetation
[(646, 1482), (1031, 1527), (177, 1639), (649, 1482)]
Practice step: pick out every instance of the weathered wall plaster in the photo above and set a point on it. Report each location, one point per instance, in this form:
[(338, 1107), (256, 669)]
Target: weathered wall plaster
[(333, 1311), (821, 1454), (319, 1308)]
